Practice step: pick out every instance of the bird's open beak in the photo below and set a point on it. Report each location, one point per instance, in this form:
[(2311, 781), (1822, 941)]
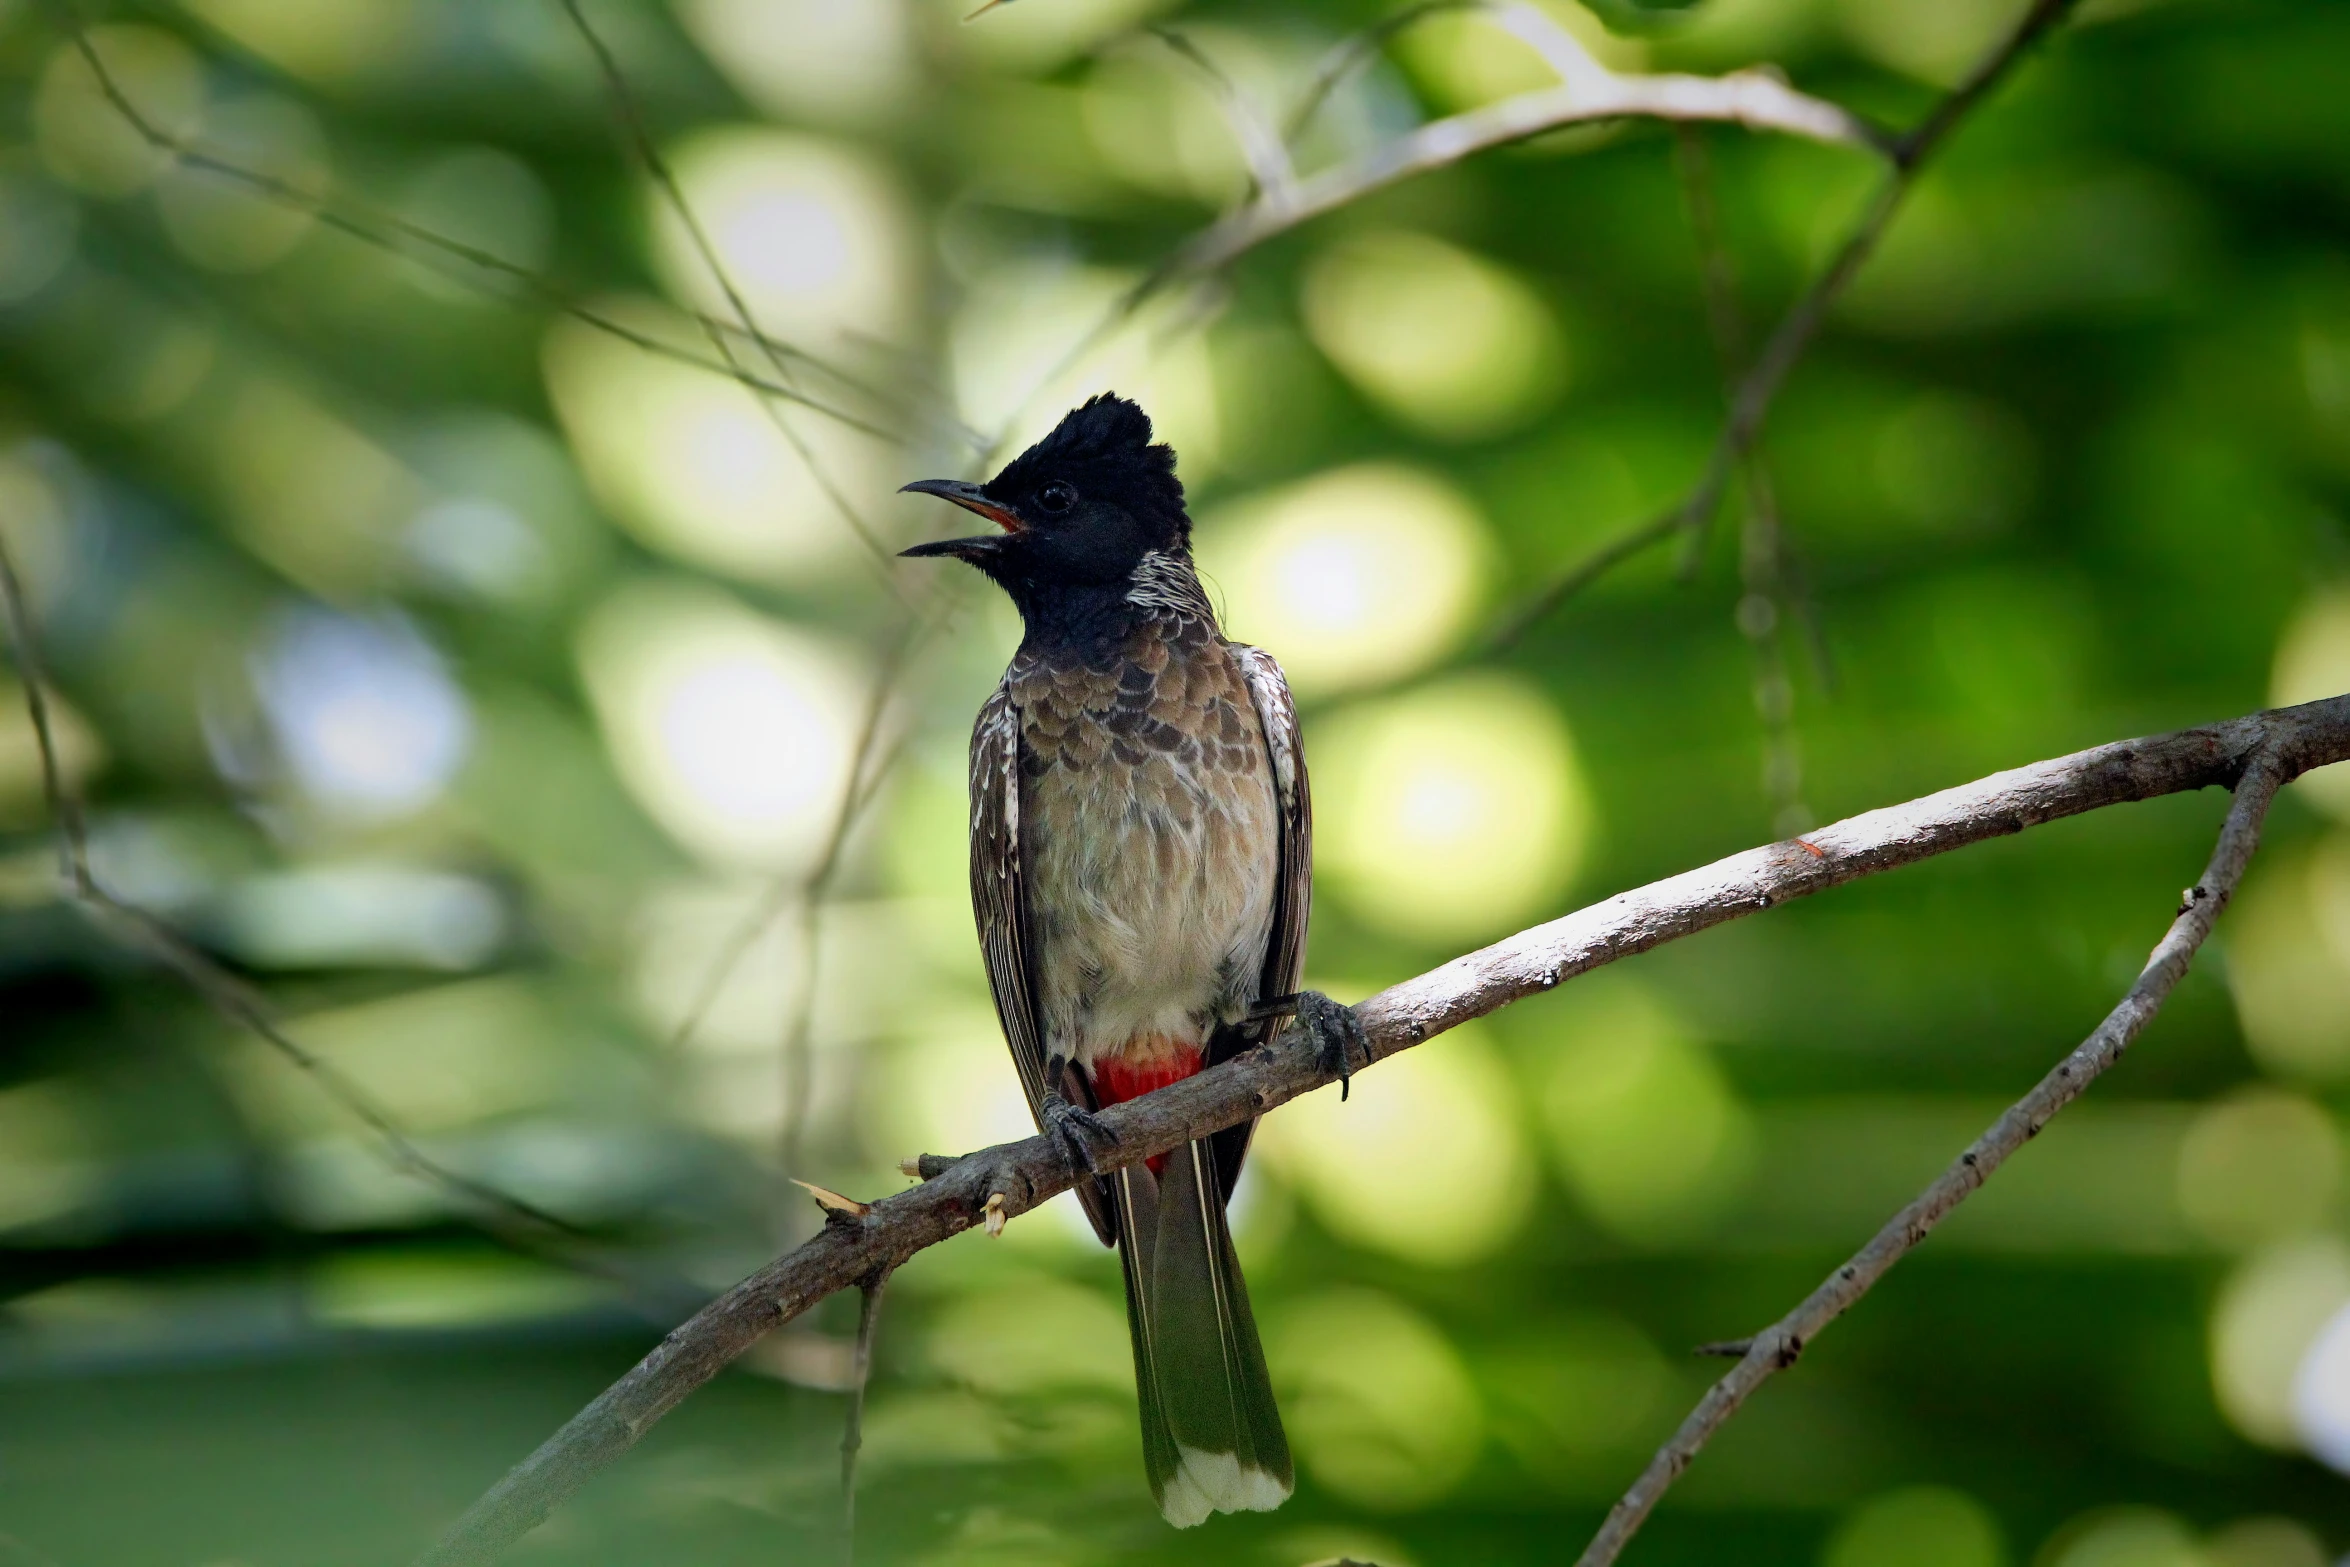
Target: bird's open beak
[(971, 498)]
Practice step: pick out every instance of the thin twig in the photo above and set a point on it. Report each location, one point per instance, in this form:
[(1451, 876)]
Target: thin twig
[(384, 231), (856, 794), (1348, 55), (648, 152), (868, 769), (1261, 145), (1014, 1178), (1795, 330), (852, 1436), (1777, 1347), (1756, 99)]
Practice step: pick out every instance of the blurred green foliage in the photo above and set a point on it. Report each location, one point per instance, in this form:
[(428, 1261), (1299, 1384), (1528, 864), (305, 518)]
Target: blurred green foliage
[(474, 681)]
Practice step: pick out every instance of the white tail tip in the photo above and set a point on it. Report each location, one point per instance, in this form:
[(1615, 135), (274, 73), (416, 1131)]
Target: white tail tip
[(1205, 1483)]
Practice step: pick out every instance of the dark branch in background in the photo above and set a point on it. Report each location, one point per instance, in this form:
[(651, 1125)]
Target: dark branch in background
[(385, 231), (1773, 592), (852, 1436), (1777, 1347), (861, 1239), (1796, 329), (503, 1214)]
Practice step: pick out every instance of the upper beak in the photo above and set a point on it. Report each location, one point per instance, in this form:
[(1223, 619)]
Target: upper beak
[(971, 498)]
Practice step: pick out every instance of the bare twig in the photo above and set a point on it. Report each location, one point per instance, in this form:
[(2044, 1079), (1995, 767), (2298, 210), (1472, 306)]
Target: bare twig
[(1349, 54), (385, 231), (852, 1435), (1595, 95), (1751, 98), (1261, 145), (1795, 330), (1016, 1177), (648, 153), (1778, 1346)]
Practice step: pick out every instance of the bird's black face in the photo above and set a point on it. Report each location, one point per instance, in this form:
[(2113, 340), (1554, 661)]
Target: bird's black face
[(1079, 509)]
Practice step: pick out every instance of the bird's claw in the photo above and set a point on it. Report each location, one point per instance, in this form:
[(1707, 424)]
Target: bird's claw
[(1078, 1131), (993, 1215), (1338, 1036)]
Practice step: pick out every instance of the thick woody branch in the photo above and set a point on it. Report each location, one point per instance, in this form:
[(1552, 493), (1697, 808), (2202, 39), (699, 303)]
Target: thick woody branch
[(1018, 1176), (1777, 1347)]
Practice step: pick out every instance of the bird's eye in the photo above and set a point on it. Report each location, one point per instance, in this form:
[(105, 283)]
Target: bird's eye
[(1056, 497)]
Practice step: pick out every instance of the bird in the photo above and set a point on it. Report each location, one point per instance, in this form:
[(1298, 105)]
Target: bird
[(1141, 875)]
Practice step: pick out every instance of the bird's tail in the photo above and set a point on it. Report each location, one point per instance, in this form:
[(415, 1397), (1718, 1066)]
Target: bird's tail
[(1211, 1437)]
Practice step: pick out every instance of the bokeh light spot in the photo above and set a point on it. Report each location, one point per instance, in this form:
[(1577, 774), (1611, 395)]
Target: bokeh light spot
[(1377, 1401), (38, 227), (324, 41), (2289, 960), (733, 730), (691, 463), (1039, 1337), (226, 225), (2124, 1537), (848, 60), (812, 232), (2321, 1393), (2313, 662), (1024, 354), (84, 138), (364, 714), (1449, 813), (1389, 1168), (438, 1289), (1918, 1526), (1357, 576), (1443, 340), (2272, 1308), (1580, 1398), (2259, 1166), (1648, 1133)]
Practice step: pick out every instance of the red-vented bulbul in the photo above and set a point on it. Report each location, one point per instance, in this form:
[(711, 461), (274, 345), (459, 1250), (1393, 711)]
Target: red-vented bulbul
[(1141, 848)]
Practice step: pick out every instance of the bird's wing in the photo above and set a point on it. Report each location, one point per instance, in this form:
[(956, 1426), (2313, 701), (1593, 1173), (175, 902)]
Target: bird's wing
[(1285, 952), (1293, 890), (999, 901)]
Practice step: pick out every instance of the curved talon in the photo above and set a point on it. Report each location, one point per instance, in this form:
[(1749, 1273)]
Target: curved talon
[(1077, 1129), (1338, 1035), (994, 1214)]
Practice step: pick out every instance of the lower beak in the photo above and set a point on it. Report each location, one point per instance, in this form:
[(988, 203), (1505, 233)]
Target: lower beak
[(971, 549), (972, 499)]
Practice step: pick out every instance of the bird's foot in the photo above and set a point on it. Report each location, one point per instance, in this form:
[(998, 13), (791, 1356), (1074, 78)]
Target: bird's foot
[(1078, 1130), (1338, 1036)]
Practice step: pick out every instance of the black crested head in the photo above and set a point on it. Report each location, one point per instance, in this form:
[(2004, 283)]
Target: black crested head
[(1102, 450), (1079, 510)]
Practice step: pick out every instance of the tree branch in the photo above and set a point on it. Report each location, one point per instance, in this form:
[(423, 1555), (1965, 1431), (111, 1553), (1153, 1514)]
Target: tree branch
[(1795, 331), (1777, 1347), (1588, 93), (1015, 1177), (1750, 98)]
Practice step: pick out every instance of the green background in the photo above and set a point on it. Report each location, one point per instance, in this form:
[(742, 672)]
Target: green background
[(2069, 464)]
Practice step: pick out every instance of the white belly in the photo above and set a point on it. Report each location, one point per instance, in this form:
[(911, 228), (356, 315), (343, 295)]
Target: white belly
[(1151, 900)]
